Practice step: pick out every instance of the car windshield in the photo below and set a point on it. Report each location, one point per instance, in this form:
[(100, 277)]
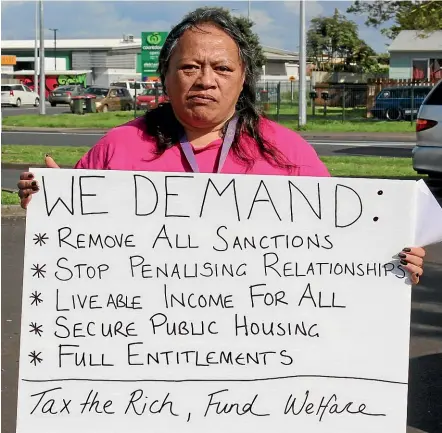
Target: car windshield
[(64, 88), (99, 91), (137, 85), (151, 92)]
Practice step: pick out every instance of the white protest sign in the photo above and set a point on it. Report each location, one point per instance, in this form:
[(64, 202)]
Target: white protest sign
[(168, 302)]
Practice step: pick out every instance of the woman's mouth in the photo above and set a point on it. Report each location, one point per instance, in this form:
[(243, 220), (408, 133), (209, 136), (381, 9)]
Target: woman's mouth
[(202, 98)]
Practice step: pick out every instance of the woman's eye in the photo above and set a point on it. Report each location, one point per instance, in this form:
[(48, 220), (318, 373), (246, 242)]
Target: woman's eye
[(189, 67)]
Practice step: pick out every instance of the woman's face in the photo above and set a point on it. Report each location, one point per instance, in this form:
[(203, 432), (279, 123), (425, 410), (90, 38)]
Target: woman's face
[(205, 77)]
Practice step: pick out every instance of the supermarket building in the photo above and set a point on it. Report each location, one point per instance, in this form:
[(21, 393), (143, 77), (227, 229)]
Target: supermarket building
[(102, 61)]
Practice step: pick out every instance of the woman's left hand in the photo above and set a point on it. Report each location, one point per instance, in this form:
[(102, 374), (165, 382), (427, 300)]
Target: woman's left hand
[(412, 260)]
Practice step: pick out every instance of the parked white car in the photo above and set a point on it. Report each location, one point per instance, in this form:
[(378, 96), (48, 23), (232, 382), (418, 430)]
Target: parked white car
[(140, 86), (18, 95), (427, 155)]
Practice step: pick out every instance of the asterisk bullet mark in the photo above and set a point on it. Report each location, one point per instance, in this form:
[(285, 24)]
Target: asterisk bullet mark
[(40, 239), (36, 329), (36, 298), (39, 271), (35, 357)]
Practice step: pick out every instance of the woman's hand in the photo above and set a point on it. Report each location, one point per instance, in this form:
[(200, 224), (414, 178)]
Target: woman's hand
[(412, 260), (28, 186)]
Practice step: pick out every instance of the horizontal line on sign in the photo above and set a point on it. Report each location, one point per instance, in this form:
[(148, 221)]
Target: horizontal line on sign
[(298, 376)]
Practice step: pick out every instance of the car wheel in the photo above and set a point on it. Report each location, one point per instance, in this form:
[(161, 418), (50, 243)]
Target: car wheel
[(393, 114), (53, 104), (18, 102), (105, 109), (37, 102)]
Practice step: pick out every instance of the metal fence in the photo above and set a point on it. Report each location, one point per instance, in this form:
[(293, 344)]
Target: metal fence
[(382, 101)]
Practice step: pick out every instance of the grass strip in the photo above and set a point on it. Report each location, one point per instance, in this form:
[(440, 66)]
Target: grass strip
[(35, 155), (9, 198), (338, 165), (318, 123)]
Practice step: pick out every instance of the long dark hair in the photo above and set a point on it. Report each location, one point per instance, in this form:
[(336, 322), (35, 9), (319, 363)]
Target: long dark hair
[(161, 122)]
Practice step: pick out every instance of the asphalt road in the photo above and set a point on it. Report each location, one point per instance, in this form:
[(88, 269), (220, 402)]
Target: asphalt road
[(324, 147), (425, 383), (29, 109)]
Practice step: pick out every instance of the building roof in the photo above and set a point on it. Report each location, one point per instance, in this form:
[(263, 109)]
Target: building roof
[(410, 40), (118, 44), (277, 54), (72, 44), (50, 72)]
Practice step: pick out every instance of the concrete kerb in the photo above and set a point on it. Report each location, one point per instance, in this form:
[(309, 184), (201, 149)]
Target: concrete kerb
[(12, 211), (55, 130)]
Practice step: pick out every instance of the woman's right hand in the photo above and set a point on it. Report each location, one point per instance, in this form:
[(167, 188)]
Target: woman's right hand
[(28, 186)]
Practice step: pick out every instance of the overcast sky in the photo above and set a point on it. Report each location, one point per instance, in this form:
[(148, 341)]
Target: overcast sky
[(276, 21)]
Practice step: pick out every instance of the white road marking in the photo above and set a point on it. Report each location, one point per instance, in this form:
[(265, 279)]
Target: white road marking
[(53, 133), (363, 143)]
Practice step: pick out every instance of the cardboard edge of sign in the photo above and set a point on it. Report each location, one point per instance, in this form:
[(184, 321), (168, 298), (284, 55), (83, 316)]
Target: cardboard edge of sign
[(428, 218)]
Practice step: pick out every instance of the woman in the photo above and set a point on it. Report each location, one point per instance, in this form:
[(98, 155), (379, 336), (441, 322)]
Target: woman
[(208, 69)]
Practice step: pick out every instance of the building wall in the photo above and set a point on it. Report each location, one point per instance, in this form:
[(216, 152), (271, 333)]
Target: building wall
[(106, 66), (63, 59), (88, 59), (292, 70), (120, 60), (53, 81), (275, 68), (401, 63), (105, 76)]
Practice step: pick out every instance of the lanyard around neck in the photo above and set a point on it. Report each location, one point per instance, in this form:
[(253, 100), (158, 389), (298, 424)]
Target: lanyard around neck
[(227, 144)]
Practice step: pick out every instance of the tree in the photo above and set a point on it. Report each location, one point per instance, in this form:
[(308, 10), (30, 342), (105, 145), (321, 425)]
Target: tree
[(424, 16), (245, 25), (333, 43)]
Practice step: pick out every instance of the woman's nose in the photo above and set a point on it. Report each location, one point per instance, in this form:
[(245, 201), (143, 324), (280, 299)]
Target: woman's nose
[(206, 78)]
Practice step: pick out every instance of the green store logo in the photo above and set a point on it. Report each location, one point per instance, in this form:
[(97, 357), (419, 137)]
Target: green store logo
[(153, 39)]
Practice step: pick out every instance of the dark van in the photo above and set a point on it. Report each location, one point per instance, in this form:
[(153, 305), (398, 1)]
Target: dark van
[(397, 103)]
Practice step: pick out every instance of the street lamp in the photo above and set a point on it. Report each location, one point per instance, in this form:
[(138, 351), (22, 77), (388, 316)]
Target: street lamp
[(36, 49), (302, 113), (55, 46), (42, 60)]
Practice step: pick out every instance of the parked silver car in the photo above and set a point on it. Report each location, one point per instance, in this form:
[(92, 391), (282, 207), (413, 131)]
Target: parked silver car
[(427, 154), (64, 94)]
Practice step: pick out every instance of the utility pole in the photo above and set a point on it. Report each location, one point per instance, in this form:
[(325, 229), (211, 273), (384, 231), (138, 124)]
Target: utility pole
[(36, 50), (302, 119), (248, 9), (55, 46), (42, 62)]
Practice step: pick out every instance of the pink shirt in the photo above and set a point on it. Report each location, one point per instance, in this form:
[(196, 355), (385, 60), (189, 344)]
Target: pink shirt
[(126, 148)]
